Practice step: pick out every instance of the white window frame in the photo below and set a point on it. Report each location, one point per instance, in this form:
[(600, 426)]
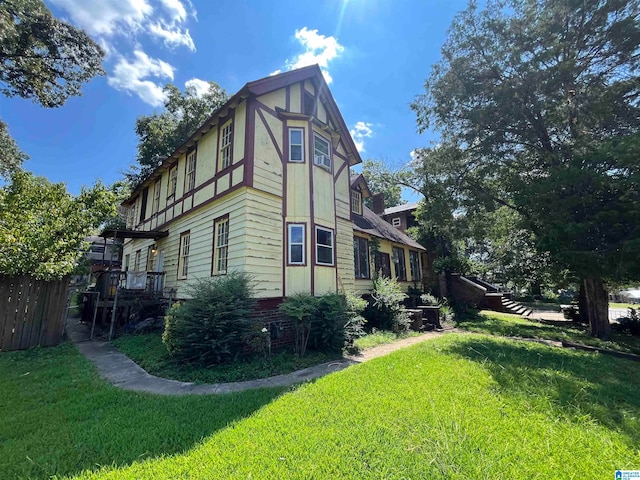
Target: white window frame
[(356, 202), (183, 255), (221, 246), (172, 183), (413, 254), (357, 243), (302, 243), (155, 208), (330, 247), (191, 171), (226, 145), (301, 145), (151, 257), (322, 160), (396, 222)]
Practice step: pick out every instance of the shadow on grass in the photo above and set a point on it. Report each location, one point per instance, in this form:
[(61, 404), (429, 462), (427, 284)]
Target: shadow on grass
[(58, 418), (572, 385)]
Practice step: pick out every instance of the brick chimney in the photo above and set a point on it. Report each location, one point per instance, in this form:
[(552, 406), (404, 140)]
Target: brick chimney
[(378, 203)]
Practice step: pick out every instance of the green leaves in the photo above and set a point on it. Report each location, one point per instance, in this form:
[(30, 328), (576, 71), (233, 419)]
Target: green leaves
[(42, 227)]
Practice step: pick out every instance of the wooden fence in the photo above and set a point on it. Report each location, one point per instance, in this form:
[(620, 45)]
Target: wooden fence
[(31, 312)]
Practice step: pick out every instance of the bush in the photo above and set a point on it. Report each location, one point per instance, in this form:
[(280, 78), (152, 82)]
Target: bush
[(327, 323), (631, 323), (212, 327), (385, 310)]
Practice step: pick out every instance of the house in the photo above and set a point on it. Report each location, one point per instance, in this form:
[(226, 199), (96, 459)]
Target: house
[(401, 217), (264, 186)]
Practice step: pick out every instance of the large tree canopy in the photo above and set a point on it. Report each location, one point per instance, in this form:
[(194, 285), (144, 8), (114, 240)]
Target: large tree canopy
[(381, 179), (42, 227), (161, 133), (538, 101), (41, 58)]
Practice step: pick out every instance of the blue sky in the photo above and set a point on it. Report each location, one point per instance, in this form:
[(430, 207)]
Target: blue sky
[(376, 54)]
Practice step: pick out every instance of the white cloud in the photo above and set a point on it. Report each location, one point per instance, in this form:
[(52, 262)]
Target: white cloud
[(359, 132), (132, 75), (119, 27), (318, 49), (200, 86)]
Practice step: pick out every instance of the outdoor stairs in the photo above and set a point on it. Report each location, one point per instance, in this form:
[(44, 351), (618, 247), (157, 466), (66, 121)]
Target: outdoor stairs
[(514, 307)]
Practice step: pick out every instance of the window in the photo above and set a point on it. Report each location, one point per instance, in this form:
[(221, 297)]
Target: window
[(183, 255), (96, 248), (136, 261), (395, 221), (356, 202), (172, 182), (225, 145), (399, 263), (156, 197), (361, 257), (414, 264), (383, 264), (296, 245), (221, 246), (309, 103), (296, 145), (151, 258), (321, 152), (324, 246), (127, 260), (191, 171)]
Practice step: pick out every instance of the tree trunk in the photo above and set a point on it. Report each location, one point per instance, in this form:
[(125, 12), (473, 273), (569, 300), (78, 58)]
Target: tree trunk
[(596, 307)]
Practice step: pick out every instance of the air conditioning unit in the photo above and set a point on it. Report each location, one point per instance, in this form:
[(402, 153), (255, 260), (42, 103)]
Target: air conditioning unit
[(322, 160)]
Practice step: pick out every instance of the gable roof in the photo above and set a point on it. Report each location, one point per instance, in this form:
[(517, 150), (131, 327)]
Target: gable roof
[(372, 224), (358, 180), (257, 88)]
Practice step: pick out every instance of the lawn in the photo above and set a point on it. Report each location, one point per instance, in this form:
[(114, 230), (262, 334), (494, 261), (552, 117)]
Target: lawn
[(455, 407), (508, 325), (624, 305), (380, 337), (58, 418), (149, 352)]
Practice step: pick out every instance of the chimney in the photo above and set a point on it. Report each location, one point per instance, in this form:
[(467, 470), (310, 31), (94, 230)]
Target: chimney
[(378, 203)]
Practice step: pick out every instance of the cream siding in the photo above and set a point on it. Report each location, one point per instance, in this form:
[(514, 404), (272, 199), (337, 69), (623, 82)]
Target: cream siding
[(267, 163), (344, 244)]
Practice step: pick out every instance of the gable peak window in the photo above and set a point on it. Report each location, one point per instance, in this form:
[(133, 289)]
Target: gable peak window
[(395, 221), (321, 154), (226, 147), (356, 202), (296, 145)]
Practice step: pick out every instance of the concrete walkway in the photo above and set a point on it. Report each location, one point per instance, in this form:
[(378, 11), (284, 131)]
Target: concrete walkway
[(122, 372)]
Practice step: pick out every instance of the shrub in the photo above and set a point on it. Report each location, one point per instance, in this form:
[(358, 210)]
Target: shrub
[(631, 323), (301, 309), (354, 327), (212, 326), (385, 309)]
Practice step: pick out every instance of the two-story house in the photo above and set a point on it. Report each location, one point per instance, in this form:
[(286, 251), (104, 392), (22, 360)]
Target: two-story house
[(263, 186)]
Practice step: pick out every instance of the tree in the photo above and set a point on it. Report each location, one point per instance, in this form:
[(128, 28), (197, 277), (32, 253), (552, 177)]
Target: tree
[(41, 58), (161, 133), (42, 227), (382, 180), (538, 99)]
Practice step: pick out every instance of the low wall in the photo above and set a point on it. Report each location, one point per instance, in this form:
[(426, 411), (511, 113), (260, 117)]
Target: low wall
[(282, 332), (465, 291)]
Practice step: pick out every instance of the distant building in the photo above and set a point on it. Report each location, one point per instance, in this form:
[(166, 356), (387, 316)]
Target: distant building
[(401, 217)]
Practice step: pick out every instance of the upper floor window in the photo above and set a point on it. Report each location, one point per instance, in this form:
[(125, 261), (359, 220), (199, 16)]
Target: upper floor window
[(136, 260), (395, 221), (321, 152), (183, 255), (221, 246), (191, 171), (399, 263), (156, 197), (414, 265), (324, 246), (356, 202), (361, 257), (296, 250), (151, 258), (225, 145), (172, 183), (296, 145)]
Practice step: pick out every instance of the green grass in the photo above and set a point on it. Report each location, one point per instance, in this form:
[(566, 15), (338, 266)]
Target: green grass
[(453, 408), (456, 407), (380, 337), (540, 305), (58, 418), (149, 352), (508, 325), (624, 305)]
